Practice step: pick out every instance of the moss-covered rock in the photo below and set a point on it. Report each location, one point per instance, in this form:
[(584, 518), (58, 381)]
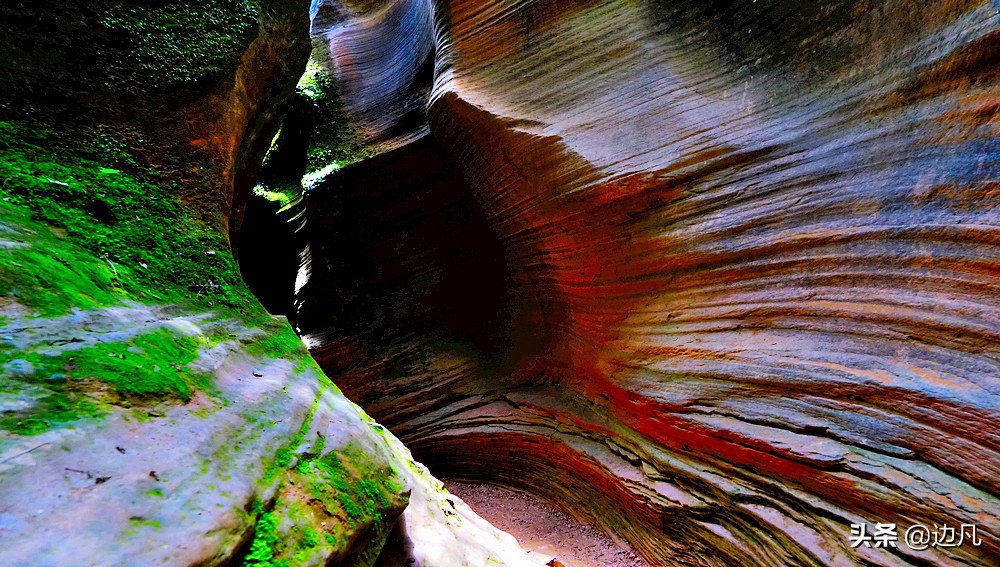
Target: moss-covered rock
[(193, 88), (335, 140), (149, 405)]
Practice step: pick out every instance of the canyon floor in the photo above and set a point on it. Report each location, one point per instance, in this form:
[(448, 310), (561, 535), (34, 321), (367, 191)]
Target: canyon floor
[(543, 530)]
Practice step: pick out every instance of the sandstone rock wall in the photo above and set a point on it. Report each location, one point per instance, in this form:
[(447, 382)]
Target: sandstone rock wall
[(749, 268)]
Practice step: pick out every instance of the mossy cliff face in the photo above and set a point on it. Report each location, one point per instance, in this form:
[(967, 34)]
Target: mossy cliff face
[(193, 88), (151, 411)]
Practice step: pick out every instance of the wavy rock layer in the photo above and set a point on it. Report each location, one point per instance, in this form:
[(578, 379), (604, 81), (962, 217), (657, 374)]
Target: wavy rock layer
[(749, 266), (396, 39)]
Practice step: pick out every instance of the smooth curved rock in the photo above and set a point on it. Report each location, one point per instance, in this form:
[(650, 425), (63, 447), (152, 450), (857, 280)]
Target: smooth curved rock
[(749, 265), (394, 37)]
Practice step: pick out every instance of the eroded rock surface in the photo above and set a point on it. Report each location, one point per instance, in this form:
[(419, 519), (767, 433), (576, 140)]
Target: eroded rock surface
[(748, 255), (151, 411)]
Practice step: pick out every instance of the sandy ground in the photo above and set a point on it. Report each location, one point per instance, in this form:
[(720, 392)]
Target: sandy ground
[(543, 530)]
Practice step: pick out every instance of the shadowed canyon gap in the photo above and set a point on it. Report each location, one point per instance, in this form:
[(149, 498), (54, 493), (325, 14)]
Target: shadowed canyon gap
[(718, 277)]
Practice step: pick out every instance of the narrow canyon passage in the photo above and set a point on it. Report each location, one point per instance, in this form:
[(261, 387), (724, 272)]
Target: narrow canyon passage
[(710, 283), (718, 279)]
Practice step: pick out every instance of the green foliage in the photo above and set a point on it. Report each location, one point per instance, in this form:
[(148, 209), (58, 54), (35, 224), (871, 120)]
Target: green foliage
[(180, 41), (283, 195), (68, 60), (333, 141)]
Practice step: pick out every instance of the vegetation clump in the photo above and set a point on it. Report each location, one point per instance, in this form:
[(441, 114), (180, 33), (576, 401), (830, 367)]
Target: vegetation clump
[(181, 42), (317, 126)]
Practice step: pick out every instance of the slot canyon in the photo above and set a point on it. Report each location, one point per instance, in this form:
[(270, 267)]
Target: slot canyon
[(717, 280)]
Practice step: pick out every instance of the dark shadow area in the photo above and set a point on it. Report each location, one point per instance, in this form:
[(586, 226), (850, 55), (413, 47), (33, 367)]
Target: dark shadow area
[(399, 248), (268, 250), (268, 254)]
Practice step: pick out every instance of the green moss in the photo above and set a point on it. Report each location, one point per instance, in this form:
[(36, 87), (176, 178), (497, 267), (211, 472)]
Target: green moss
[(150, 364), (264, 540), (84, 227), (310, 538), (301, 538), (329, 481), (204, 412), (283, 456), (305, 467), (278, 343), (53, 406), (347, 504), (333, 141), (333, 475), (48, 275), (283, 536), (61, 387), (359, 496), (90, 237), (164, 351), (137, 522)]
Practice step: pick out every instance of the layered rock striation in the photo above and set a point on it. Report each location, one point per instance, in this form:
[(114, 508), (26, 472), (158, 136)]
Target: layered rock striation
[(719, 278)]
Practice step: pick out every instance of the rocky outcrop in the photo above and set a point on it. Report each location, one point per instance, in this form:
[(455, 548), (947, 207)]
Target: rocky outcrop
[(747, 256), (151, 411)]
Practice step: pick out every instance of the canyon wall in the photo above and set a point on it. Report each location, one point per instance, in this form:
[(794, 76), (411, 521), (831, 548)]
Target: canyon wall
[(151, 411), (719, 277)]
